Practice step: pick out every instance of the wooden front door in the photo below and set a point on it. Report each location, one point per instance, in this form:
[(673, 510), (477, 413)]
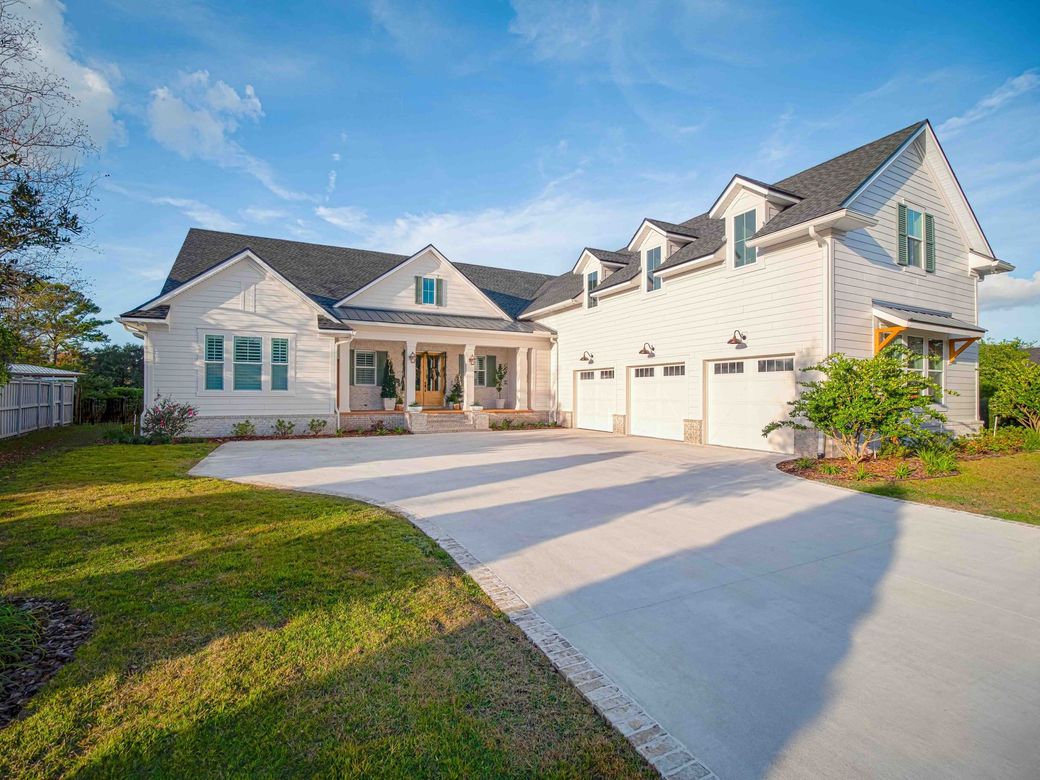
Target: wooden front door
[(429, 378)]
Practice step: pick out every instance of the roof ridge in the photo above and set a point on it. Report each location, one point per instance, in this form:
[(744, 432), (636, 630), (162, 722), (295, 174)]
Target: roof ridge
[(294, 241)]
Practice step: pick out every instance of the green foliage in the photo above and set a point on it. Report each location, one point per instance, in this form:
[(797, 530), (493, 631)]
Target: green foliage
[(861, 473), (501, 371), (829, 469), (19, 633), (1002, 441), (1017, 396), (8, 350), (167, 419), (862, 401), (389, 388), (994, 358), (283, 428), (938, 462), (53, 322), (804, 464), (456, 393), (243, 428), (903, 471), (121, 364), (316, 425)]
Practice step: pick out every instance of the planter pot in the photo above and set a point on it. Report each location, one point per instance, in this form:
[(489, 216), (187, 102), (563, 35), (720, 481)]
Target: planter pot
[(398, 407), (456, 406), (388, 404), (500, 403)]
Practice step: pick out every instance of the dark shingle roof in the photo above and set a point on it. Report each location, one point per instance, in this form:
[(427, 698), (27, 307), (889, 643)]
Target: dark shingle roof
[(557, 290), (671, 227), (712, 235), (154, 313), (398, 317), (327, 274), (621, 257), (1034, 354), (825, 187), (326, 323)]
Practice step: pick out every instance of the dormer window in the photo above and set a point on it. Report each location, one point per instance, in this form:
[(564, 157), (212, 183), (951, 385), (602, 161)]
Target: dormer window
[(744, 227), (429, 291), (653, 262), (591, 282)]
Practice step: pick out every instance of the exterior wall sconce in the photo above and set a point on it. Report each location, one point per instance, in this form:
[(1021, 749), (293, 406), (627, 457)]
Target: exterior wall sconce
[(738, 339), (648, 349), (472, 360), (586, 357), (411, 357)]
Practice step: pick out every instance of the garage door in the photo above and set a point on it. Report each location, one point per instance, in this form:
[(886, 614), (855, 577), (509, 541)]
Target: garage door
[(595, 399), (659, 400), (744, 396)]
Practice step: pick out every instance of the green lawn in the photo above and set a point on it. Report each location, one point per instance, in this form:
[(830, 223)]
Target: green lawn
[(243, 631), (1007, 487)]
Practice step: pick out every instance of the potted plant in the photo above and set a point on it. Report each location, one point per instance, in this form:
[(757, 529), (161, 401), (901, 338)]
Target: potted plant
[(456, 393), (399, 401), (389, 390), (500, 382)]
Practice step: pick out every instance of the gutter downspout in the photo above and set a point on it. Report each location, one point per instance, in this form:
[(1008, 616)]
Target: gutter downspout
[(555, 378)]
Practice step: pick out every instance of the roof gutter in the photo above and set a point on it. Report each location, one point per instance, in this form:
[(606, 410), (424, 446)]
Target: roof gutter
[(549, 309), (842, 219)]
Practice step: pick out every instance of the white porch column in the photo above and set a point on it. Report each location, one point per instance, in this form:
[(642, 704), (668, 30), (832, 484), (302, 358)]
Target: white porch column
[(409, 372), (345, 356), (520, 377), (468, 386)]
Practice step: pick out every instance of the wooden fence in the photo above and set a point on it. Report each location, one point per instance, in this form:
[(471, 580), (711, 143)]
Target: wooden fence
[(108, 410), (28, 403)]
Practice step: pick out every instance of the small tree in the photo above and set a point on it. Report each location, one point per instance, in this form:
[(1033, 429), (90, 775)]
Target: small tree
[(167, 419), (863, 401), (456, 393), (501, 371), (389, 389), (53, 321), (1018, 393)]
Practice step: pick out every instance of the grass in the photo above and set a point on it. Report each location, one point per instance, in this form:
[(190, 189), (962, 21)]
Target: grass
[(48, 440), (246, 631), (1004, 487), (19, 632)]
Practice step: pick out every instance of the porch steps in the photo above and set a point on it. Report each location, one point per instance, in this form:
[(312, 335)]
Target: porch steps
[(447, 423)]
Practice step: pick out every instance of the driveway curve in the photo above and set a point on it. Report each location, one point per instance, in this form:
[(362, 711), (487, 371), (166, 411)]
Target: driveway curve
[(779, 628)]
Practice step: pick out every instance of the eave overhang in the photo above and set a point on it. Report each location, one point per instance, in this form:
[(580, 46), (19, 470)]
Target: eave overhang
[(842, 220)]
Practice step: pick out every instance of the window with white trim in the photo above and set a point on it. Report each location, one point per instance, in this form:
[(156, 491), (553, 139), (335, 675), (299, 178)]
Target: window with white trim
[(591, 283), (608, 374), (279, 364), (775, 364), (585, 375), (927, 360), (653, 262), (429, 290), (734, 367), (364, 367), (914, 237), (743, 229), (678, 370), (644, 373), (214, 360), (248, 358), (480, 371)]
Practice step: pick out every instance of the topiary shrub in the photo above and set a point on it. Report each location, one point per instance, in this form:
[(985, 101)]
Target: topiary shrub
[(166, 419)]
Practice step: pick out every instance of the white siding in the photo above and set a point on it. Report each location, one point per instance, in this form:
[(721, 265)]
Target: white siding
[(866, 268), (241, 299), (541, 387), (397, 290), (777, 303)]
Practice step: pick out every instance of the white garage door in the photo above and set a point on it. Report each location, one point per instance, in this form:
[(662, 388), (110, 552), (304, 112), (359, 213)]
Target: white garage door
[(659, 401), (744, 396), (595, 399)]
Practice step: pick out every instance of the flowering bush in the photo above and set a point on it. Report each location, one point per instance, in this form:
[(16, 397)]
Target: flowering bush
[(167, 419)]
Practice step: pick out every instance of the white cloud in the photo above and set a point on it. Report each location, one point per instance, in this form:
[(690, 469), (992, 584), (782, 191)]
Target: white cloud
[(91, 85), (198, 119), (336, 156), (200, 213), (331, 186), (347, 217), (261, 214), (1006, 292), (1009, 90)]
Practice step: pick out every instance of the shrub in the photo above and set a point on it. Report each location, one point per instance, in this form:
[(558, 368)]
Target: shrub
[(805, 463), (938, 461), (999, 442), (829, 469), (1031, 442), (283, 428), (166, 419), (1018, 394), (243, 428), (389, 388), (400, 429), (861, 473), (863, 401), (903, 470), (316, 425)]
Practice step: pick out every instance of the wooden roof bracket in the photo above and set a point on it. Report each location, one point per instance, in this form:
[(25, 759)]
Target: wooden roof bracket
[(957, 346), (885, 336)]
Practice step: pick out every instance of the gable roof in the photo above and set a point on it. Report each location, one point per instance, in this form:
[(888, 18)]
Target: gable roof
[(623, 257), (327, 274)]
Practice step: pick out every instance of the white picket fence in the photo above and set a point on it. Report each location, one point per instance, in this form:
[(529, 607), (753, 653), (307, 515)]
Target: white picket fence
[(28, 403)]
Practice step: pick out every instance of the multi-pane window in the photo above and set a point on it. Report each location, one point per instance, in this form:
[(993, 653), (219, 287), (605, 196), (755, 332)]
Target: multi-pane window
[(608, 374), (679, 370), (480, 371), (653, 262), (743, 229), (592, 281), (735, 367), (927, 359), (775, 364), (279, 364), (643, 373), (364, 367), (248, 358), (587, 375), (429, 290), (914, 237), (214, 359)]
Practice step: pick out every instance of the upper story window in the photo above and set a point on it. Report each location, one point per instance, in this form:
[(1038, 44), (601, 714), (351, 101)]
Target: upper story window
[(591, 282), (744, 227), (916, 238), (430, 291), (653, 262)]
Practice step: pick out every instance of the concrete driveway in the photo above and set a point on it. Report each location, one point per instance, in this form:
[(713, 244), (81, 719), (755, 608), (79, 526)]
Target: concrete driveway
[(777, 627)]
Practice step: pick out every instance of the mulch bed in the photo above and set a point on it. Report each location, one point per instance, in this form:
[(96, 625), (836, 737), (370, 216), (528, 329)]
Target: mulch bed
[(880, 470), (62, 630)]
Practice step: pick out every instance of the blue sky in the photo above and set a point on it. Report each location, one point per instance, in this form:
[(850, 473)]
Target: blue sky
[(514, 134)]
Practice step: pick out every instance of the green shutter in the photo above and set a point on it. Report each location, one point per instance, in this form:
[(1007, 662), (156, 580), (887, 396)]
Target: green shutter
[(462, 365), (442, 293), (929, 243), (902, 234), (380, 368), (350, 360), (489, 371), (418, 289)]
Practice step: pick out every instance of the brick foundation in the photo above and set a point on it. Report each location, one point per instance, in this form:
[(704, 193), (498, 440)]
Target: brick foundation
[(220, 426)]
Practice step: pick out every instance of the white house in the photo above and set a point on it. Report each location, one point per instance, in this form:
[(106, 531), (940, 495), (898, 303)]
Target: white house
[(693, 331)]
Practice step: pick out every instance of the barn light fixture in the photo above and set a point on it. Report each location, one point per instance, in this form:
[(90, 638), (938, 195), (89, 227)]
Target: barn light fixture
[(586, 357), (472, 360), (738, 339), (648, 349), (411, 357)]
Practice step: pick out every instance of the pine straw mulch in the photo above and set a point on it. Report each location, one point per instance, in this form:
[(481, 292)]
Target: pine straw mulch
[(879, 470)]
